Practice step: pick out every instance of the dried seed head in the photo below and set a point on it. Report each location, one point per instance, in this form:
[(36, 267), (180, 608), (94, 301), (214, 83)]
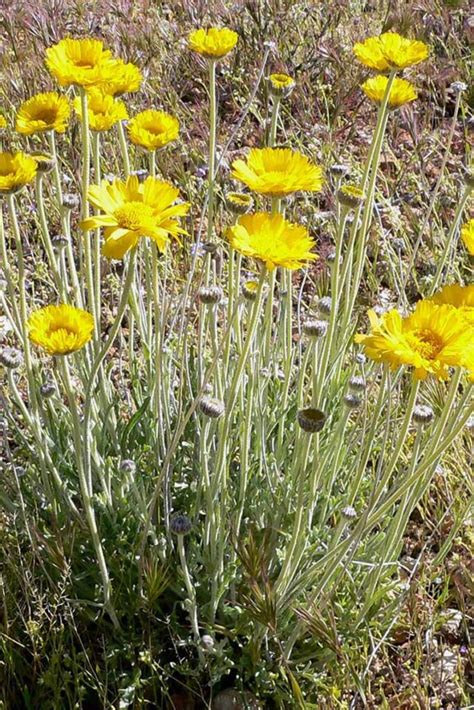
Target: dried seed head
[(210, 295), (238, 202), (48, 389), (331, 257), (339, 169), (352, 401), (70, 201), (211, 407), (59, 242), (44, 162), (351, 196), (422, 414), (324, 305), (357, 383), (349, 512), (11, 358), (311, 420), (315, 328), (128, 466), (180, 524)]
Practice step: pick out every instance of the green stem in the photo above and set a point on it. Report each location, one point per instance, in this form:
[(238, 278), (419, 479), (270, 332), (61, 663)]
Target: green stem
[(123, 148), (212, 147)]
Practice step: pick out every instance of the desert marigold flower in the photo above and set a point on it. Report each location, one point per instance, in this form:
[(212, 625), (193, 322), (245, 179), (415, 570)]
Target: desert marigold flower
[(83, 62), (132, 210), (467, 236), (3, 121), (278, 172), (102, 109), (153, 129), (43, 112), (280, 85), (461, 298), (125, 78), (390, 51), (401, 91), (213, 43), (430, 340), (16, 171), (61, 329), (272, 240)]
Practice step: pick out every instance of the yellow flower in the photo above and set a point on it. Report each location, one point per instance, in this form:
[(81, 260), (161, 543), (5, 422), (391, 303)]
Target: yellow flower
[(467, 235), (133, 210), (102, 109), (61, 329), (401, 91), (351, 196), (213, 43), (461, 297), (153, 129), (430, 340), (390, 51), (3, 121), (83, 62), (281, 85), (272, 239), (278, 172), (43, 112), (16, 171), (125, 78)]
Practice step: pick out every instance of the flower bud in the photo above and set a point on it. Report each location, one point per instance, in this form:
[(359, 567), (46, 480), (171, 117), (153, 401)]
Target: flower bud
[(141, 174), (357, 383), (128, 466), (11, 358), (44, 162), (351, 196), (210, 247), (238, 202), (59, 242), (470, 424), (311, 420), (210, 295), (249, 290), (211, 407), (457, 87), (324, 305), (280, 85), (331, 257), (207, 642), (70, 201), (180, 524), (48, 389), (352, 401), (349, 512), (339, 169), (315, 328), (422, 414)]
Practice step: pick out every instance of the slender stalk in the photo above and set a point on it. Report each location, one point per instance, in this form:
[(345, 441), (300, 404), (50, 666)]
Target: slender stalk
[(123, 148), (86, 493), (212, 147)]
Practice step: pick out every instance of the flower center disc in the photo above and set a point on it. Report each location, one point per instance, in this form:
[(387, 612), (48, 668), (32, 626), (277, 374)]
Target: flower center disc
[(130, 216), (426, 343)]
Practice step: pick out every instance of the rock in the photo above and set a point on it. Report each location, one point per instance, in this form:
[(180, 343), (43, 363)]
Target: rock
[(445, 668), (452, 620)]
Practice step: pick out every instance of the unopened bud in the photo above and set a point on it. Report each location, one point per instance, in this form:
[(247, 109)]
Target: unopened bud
[(180, 524), (422, 414), (315, 328), (311, 420), (211, 407), (210, 295), (11, 358)]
